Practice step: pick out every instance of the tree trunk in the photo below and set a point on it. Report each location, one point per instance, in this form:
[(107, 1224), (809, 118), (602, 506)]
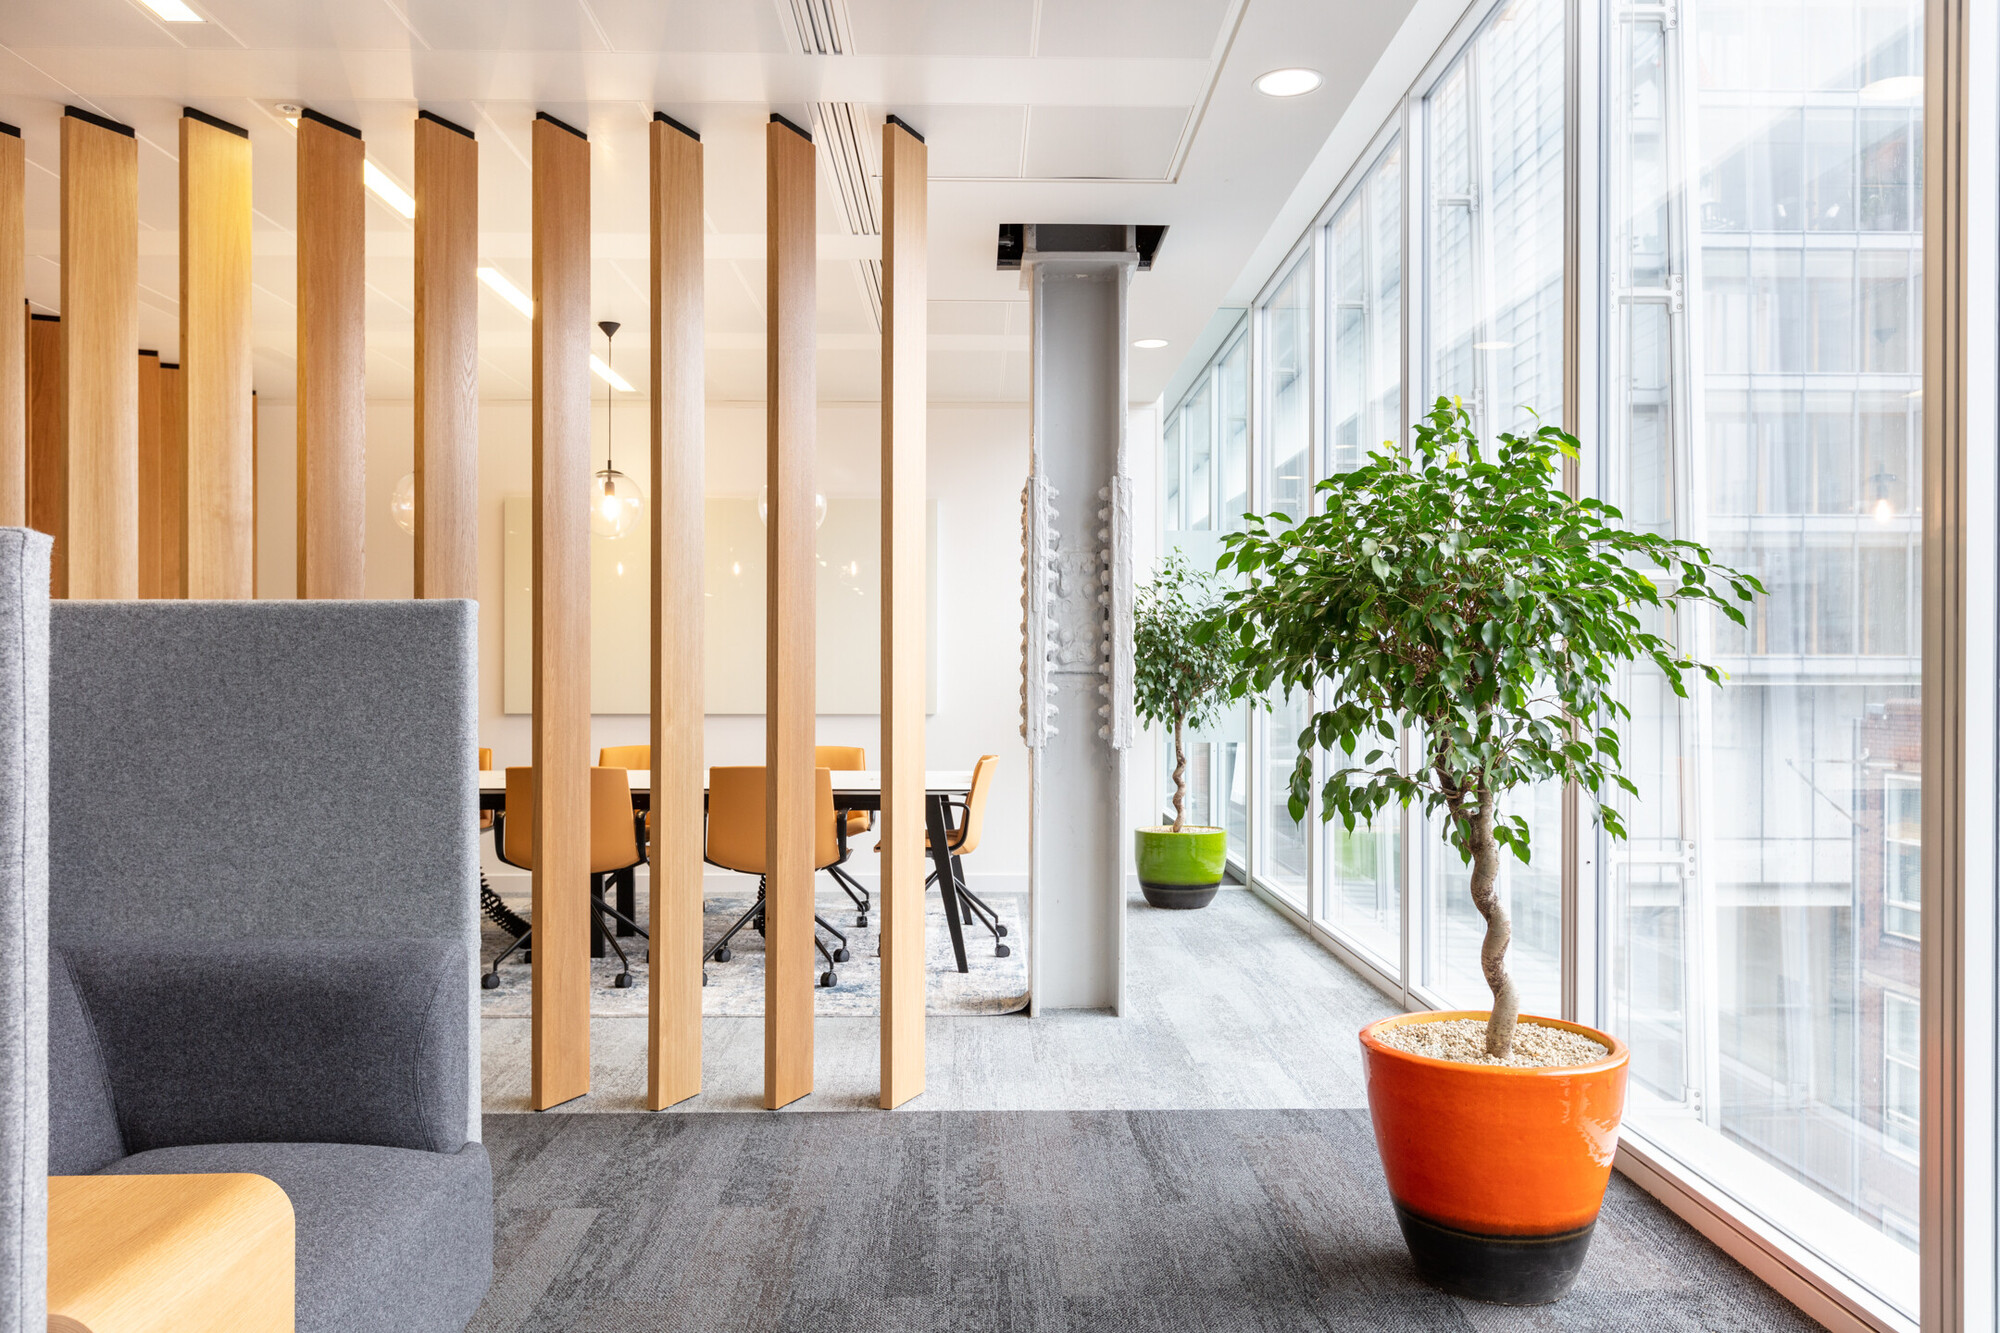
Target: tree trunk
[(1493, 953), (1180, 777)]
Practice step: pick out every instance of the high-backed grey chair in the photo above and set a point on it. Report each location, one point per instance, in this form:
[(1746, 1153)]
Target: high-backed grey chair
[(24, 898), (262, 829)]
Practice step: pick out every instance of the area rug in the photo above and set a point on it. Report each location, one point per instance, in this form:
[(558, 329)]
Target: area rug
[(735, 989), (1014, 1221)]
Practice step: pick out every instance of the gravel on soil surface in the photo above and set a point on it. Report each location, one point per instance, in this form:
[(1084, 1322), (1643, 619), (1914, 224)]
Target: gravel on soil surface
[(1464, 1040)]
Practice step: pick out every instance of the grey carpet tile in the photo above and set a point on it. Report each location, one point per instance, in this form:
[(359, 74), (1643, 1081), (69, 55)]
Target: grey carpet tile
[(1165, 1221)]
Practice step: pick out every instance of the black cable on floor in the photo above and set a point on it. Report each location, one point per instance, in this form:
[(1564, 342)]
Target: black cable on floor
[(498, 912)]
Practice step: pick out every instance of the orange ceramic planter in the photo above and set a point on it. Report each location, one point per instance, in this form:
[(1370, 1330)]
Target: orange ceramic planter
[(1496, 1173)]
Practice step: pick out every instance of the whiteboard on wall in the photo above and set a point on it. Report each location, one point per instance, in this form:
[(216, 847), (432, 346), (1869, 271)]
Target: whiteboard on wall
[(848, 611)]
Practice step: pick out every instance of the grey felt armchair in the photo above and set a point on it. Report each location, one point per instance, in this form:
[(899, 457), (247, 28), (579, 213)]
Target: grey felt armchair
[(263, 950)]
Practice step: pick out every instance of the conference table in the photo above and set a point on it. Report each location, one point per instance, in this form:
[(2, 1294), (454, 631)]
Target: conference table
[(853, 789)]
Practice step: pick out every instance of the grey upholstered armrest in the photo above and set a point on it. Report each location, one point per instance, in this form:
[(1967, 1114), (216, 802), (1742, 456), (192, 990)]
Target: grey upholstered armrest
[(348, 1041)]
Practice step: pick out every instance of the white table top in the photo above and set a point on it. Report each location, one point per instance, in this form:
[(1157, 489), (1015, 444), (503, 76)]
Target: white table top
[(949, 781)]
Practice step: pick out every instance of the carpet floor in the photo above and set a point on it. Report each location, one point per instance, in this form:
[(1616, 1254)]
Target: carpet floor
[(735, 989), (1165, 1221)]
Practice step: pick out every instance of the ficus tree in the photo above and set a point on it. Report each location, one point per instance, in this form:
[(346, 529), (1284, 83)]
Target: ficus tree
[(1181, 679), (1455, 593)]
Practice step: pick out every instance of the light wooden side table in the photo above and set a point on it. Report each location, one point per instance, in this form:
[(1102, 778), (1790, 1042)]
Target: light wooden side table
[(170, 1254)]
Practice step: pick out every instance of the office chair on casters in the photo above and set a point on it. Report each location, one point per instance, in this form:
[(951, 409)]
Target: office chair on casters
[(491, 903), (736, 807), (626, 881), (617, 842), (963, 841), (852, 824)]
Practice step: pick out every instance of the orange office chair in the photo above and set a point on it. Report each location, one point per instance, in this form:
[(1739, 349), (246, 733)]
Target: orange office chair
[(851, 823), (617, 842), (736, 842), (626, 882), (492, 903), (963, 841)]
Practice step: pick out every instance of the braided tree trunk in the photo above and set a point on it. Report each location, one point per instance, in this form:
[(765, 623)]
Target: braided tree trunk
[(1499, 930), (1180, 776)]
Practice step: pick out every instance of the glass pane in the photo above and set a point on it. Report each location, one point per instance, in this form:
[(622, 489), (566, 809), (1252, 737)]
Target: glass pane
[(1287, 394), (1762, 926), (1197, 445), (1494, 305), (1281, 843), (1232, 389), (1361, 872)]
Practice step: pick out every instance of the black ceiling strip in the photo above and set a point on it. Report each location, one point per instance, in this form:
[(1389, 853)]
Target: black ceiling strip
[(543, 115), (777, 119), (92, 118), (666, 119), (147, 351), (216, 121), (170, 365), (329, 122), (898, 120), (53, 319), (11, 131), (436, 119)]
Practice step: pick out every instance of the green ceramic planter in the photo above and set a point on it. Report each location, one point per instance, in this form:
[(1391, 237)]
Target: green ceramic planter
[(1181, 870)]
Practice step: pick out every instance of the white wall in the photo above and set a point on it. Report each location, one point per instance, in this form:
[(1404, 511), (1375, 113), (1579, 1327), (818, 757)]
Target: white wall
[(978, 462)]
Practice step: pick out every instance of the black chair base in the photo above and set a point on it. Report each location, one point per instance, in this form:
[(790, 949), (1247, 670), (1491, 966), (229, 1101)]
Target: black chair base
[(719, 951)]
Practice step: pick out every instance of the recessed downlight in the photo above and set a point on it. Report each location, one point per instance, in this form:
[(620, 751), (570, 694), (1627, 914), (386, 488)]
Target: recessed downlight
[(1897, 89), (1288, 82), (507, 291), (173, 11), (1149, 344)]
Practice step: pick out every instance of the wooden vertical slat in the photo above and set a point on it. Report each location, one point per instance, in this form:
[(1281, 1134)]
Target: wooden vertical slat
[(256, 501), (905, 212), (152, 458), (790, 398), (218, 525), (331, 396), (447, 455), (674, 1006), (561, 1023), (171, 499), (100, 303), (13, 331), (48, 450)]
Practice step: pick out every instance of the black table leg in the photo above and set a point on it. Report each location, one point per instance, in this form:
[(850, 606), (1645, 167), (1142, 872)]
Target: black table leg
[(936, 826), (628, 893), (596, 917)]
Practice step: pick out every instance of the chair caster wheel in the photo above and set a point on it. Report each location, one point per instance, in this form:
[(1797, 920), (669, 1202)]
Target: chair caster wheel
[(489, 981), (623, 981), (1002, 930), (828, 980), (861, 920), (1001, 951), (722, 954), (840, 955)]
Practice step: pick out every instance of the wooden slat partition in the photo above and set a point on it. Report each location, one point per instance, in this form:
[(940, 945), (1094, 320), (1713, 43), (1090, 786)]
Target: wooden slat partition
[(905, 393), (673, 1065), (171, 499), (791, 406), (13, 330), (152, 457), (218, 526), (561, 1023), (331, 396), (100, 303), (447, 455), (48, 450)]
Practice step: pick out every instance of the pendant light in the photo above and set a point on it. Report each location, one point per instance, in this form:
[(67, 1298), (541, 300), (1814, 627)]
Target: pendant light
[(616, 503)]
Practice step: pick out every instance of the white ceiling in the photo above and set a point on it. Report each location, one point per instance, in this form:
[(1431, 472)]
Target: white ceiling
[(1035, 111)]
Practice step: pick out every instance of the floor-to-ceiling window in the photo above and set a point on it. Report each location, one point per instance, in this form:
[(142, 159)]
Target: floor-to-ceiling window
[(1359, 889), (1493, 310), (1763, 396), (1204, 493), (1285, 478)]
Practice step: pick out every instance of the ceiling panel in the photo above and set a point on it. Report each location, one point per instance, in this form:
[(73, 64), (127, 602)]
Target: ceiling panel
[(84, 23), (942, 27), (971, 141), (1104, 142), (345, 25), (690, 25), (1153, 28), (504, 25)]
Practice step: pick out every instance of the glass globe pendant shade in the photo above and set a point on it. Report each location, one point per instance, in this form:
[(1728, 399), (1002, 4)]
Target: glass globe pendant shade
[(403, 503), (764, 507), (616, 504)]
